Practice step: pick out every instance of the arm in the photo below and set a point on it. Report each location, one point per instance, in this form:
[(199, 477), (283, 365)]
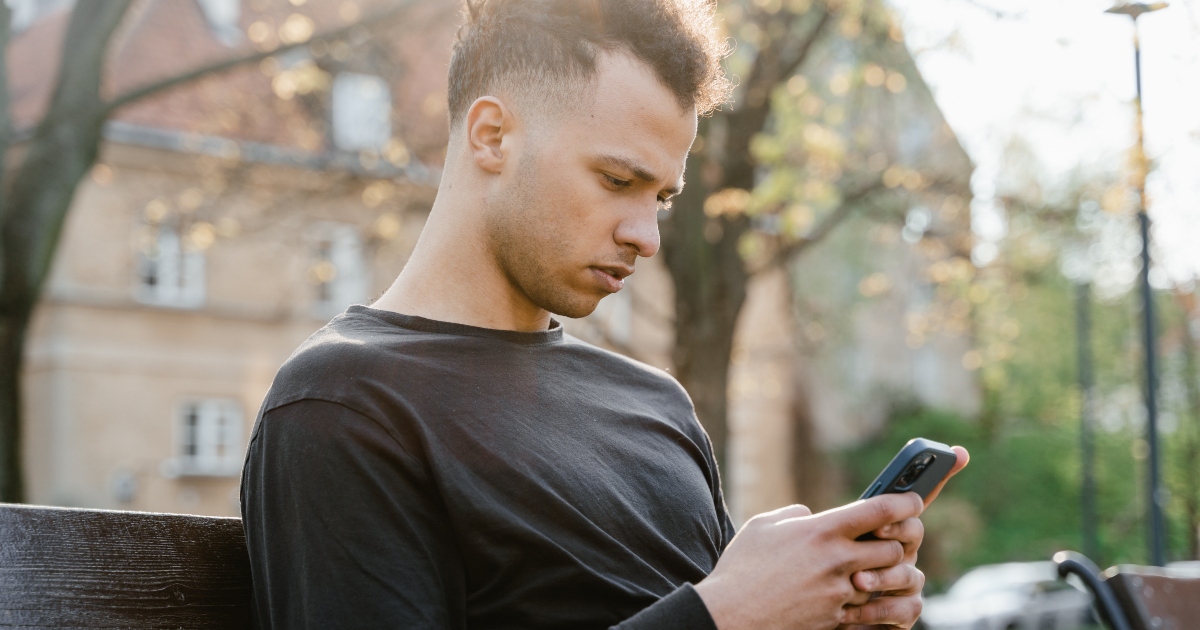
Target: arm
[(343, 527)]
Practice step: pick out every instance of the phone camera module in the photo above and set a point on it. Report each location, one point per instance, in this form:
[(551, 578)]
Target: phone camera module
[(914, 471)]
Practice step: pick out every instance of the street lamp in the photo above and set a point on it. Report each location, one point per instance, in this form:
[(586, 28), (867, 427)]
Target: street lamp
[(1077, 269), (1156, 498)]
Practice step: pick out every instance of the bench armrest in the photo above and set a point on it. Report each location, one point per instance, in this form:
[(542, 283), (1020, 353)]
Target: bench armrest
[(1070, 562)]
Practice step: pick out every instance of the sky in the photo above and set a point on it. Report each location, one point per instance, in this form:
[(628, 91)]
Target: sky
[(1059, 75)]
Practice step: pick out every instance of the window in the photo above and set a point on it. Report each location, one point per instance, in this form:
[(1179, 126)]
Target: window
[(222, 17), (362, 112), (168, 273), (209, 439), (339, 270), (26, 13)]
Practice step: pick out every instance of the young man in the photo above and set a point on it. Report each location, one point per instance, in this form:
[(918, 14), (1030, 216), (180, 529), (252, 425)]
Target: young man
[(448, 458)]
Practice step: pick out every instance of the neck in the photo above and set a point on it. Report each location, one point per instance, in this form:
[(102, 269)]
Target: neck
[(452, 276)]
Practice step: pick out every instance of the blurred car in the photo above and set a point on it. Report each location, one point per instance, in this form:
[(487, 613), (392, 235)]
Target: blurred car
[(1010, 596), (1184, 568)]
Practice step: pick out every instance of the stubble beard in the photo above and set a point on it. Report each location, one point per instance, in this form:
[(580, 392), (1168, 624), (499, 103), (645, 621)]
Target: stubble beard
[(525, 240)]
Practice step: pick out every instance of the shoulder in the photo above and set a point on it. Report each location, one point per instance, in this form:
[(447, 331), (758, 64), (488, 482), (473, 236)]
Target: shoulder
[(335, 360), (630, 372)]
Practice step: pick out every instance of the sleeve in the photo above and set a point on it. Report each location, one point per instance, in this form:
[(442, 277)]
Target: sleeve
[(682, 609), (343, 527)]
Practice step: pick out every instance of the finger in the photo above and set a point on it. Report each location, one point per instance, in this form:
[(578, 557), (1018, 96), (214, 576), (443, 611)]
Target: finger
[(963, 458), (868, 515), (872, 554), (902, 579), (860, 598), (784, 513), (909, 532), (896, 611)]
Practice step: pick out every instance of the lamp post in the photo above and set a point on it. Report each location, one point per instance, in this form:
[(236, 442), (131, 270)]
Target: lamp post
[(1087, 447), (1155, 498)]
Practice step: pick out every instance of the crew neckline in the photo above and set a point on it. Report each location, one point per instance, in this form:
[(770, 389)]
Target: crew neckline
[(553, 334)]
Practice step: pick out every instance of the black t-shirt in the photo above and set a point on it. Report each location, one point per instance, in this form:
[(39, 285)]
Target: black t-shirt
[(410, 473)]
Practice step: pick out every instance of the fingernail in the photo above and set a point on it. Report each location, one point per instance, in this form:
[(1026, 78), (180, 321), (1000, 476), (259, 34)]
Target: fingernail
[(886, 529)]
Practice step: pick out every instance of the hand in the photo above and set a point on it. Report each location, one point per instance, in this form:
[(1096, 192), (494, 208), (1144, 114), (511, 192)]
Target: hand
[(792, 569), (899, 588), (893, 593)]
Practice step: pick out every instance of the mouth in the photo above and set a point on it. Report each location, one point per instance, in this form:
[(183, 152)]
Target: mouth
[(620, 272), (611, 277)]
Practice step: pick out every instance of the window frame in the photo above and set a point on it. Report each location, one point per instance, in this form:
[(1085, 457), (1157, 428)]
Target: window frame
[(184, 271), (335, 244), (208, 438)]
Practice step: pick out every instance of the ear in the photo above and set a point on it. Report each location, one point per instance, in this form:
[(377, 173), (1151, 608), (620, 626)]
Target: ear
[(488, 121)]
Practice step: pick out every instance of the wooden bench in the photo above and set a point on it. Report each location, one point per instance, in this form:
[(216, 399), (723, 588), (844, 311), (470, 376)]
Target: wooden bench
[(70, 568), (1129, 597)]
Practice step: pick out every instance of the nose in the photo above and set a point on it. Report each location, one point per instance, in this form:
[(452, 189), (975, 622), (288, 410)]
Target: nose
[(640, 231)]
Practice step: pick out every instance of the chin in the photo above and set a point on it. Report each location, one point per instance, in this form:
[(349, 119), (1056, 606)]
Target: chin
[(575, 311), (572, 306)]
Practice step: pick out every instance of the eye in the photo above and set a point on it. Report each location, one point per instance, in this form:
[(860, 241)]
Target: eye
[(617, 182)]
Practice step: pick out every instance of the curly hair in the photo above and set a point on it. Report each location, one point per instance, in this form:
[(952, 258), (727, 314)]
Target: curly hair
[(554, 45)]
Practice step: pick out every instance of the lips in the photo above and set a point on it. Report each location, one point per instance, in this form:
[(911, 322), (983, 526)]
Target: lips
[(611, 277), (620, 272)]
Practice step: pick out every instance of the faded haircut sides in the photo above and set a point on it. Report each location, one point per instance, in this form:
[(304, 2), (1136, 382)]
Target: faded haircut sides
[(544, 50)]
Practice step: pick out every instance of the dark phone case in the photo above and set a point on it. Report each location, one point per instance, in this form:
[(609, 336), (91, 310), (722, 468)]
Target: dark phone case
[(885, 483)]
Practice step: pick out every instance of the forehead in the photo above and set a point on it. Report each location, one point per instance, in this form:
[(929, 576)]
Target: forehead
[(630, 113)]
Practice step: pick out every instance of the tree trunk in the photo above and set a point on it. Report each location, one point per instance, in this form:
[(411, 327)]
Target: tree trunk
[(710, 288), (36, 201), (701, 252), (809, 479), (12, 488)]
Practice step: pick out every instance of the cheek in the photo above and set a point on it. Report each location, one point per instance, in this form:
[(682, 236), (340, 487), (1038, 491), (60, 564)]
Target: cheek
[(577, 218)]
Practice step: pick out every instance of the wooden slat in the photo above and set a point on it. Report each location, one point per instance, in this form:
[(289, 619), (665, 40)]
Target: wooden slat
[(103, 569), (1154, 599)]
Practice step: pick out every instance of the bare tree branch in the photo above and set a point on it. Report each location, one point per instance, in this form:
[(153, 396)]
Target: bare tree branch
[(824, 228), (59, 154), (790, 66), (375, 20)]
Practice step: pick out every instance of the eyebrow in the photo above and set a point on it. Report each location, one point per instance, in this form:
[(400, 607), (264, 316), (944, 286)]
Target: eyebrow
[(639, 171)]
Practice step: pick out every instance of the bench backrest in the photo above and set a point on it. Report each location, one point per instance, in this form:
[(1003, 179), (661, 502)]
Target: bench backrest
[(1155, 598), (102, 569)]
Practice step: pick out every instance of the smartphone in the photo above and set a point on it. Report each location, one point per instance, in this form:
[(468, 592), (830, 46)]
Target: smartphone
[(919, 467)]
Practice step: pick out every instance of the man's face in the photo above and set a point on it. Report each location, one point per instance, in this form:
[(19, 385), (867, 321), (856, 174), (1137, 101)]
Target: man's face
[(581, 203)]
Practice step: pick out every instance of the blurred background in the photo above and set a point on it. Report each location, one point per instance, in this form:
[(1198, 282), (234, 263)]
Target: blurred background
[(918, 218)]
